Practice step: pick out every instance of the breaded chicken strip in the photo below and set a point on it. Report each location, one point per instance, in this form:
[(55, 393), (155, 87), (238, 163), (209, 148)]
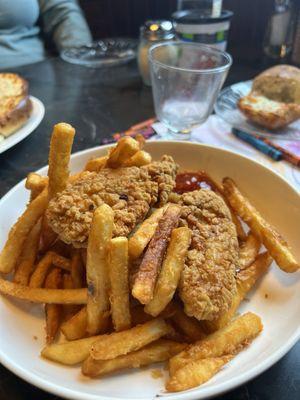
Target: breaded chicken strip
[(208, 280), (129, 191)]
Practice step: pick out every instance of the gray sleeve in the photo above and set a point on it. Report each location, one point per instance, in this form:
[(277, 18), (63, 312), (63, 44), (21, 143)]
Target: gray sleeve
[(64, 21)]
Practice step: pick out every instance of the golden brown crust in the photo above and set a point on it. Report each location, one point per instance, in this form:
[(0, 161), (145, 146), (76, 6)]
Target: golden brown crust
[(270, 114), (207, 283), (280, 83), (151, 264), (16, 118), (15, 105), (129, 191)]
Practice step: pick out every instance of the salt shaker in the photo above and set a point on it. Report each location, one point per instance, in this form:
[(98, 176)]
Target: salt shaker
[(151, 33)]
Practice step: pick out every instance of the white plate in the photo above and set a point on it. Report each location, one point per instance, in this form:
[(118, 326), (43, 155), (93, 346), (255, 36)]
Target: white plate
[(280, 312), (37, 114), (226, 107)]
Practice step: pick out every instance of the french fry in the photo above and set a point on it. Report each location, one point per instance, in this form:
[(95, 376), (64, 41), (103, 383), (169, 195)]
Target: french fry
[(141, 140), (19, 232), (138, 315), (50, 258), (75, 327), (28, 256), (139, 159), (120, 343), (69, 353), (47, 234), (228, 340), (172, 266), (59, 157), (142, 236), (196, 373), (97, 267), (189, 326), (275, 244), (161, 350), (119, 286), (53, 311), (95, 164), (36, 184), (69, 310), (246, 279), (145, 280), (40, 295), (123, 151), (241, 234), (248, 251), (77, 270)]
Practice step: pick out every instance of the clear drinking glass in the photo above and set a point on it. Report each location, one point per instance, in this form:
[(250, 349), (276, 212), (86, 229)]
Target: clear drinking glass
[(186, 79)]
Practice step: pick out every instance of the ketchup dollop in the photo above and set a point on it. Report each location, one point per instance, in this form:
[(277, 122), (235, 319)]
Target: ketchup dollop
[(189, 181)]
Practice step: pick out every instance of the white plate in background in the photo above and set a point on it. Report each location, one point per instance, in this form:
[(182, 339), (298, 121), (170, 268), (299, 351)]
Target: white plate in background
[(22, 324), (226, 108), (37, 114)]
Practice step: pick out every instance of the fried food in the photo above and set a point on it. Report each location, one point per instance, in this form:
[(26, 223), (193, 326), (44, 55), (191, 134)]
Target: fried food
[(59, 157), (169, 275), (161, 350), (95, 222), (77, 269), (228, 340), (122, 152), (139, 159), (189, 326), (75, 327), (36, 184), (120, 343), (19, 232), (95, 164), (146, 277), (69, 353), (196, 373), (248, 251), (97, 267), (40, 295), (267, 234), (245, 280), (42, 268), (130, 192), (28, 256), (119, 284), (142, 236), (53, 312), (207, 284)]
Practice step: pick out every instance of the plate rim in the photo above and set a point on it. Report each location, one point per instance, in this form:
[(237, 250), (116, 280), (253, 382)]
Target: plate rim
[(35, 123), (191, 394)]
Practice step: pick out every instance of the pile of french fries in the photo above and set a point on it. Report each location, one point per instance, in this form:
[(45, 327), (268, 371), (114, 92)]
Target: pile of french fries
[(96, 314)]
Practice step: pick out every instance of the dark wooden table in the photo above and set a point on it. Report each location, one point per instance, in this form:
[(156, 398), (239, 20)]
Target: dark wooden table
[(98, 102)]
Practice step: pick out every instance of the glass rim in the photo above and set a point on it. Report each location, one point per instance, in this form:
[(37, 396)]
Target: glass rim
[(211, 49)]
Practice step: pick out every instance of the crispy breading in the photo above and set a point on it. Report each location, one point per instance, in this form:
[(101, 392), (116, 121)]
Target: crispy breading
[(207, 282), (130, 192)]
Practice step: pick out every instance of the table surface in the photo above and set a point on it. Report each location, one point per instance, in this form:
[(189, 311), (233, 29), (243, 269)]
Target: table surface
[(98, 102)]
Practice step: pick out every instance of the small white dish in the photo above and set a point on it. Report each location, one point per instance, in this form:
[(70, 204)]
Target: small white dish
[(226, 108), (22, 324), (37, 114)]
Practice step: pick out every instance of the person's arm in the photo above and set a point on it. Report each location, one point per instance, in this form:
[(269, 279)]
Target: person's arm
[(64, 21)]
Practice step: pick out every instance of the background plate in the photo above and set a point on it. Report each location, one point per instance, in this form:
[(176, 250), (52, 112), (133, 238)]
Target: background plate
[(22, 324), (226, 108), (37, 114)]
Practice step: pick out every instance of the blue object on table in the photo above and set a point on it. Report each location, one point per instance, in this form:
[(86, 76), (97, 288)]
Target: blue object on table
[(258, 144)]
